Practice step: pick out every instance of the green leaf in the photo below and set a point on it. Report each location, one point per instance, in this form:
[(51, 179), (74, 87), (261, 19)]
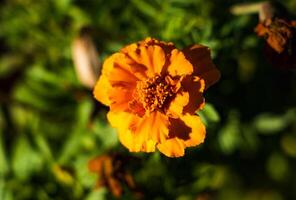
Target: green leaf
[(9, 64), (106, 134), (270, 123), (209, 114), (43, 146), (99, 194), (209, 176), (74, 143), (288, 143), (277, 166), (25, 160), (84, 176), (4, 168), (146, 8), (230, 136), (5, 192)]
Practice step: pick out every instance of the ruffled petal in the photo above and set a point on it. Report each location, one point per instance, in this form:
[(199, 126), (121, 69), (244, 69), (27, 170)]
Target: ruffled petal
[(179, 65), (125, 63), (123, 83), (121, 121), (200, 57), (166, 46), (195, 88), (153, 127), (198, 130), (172, 148), (129, 48), (175, 108), (152, 57), (184, 132), (119, 98), (101, 90), (103, 86), (121, 76), (189, 99), (140, 134)]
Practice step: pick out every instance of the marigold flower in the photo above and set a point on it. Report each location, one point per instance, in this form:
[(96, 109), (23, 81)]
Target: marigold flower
[(277, 32), (154, 90), (281, 41), (112, 172)]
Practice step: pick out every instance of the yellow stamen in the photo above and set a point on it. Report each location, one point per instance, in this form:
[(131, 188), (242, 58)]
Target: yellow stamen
[(154, 92)]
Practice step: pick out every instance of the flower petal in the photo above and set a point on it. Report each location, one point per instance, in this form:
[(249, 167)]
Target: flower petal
[(153, 127), (176, 106), (119, 98), (184, 132), (200, 57), (126, 64), (103, 86), (121, 121), (172, 148), (198, 130), (152, 57), (122, 76), (129, 48), (123, 83), (140, 134), (179, 65), (101, 90), (195, 87), (190, 99), (166, 46)]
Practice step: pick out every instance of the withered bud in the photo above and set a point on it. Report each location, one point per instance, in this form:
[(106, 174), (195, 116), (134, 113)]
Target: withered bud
[(278, 33), (113, 173), (86, 59)]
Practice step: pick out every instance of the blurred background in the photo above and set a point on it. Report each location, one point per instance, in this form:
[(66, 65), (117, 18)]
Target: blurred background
[(51, 126)]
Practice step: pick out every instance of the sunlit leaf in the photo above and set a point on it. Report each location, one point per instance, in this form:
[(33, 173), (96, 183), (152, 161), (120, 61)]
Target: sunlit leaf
[(4, 168), (209, 114), (229, 136), (97, 194), (74, 143), (25, 159), (106, 134), (5, 192), (269, 123), (84, 176), (62, 175)]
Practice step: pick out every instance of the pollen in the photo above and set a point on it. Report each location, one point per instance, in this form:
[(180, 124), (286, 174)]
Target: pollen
[(154, 92)]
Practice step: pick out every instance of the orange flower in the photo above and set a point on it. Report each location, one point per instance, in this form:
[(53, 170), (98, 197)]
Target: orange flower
[(113, 174), (277, 32), (280, 35), (154, 90)]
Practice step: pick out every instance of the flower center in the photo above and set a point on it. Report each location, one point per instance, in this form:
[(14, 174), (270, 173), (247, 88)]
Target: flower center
[(154, 92)]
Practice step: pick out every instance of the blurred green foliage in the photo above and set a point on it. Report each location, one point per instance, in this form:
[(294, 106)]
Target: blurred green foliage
[(50, 125)]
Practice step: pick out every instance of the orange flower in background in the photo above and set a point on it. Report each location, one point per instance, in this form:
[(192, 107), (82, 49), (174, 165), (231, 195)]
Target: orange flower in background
[(112, 172), (153, 91), (280, 35), (277, 32)]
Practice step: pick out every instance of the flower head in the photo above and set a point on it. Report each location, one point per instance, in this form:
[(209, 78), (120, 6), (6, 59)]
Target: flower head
[(153, 91), (277, 32), (112, 172), (280, 35)]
